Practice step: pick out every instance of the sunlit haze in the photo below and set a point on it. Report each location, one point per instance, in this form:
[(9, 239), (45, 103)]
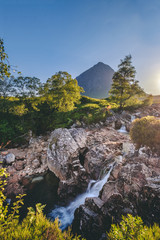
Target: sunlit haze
[(42, 37)]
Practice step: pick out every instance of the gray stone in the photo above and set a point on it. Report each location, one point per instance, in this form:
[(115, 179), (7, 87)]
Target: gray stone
[(128, 148), (10, 158), (63, 149), (35, 163)]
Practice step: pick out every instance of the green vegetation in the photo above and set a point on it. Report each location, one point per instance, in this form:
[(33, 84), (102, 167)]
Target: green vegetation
[(4, 65), (37, 227), (34, 226), (132, 228), (61, 92), (124, 85), (37, 114), (28, 105), (146, 132)]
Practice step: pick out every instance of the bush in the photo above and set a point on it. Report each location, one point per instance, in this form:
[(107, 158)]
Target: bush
[(35, 226), (133, 228), (146, 132), (148, 101)]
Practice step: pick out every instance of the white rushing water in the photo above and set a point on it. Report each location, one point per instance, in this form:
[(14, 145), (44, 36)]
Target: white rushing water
[(123, 129), (133, 118), (66, 214)]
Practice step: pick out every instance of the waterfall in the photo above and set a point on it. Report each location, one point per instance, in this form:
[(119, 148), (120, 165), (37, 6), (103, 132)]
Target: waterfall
[(66, 214), (123, 129)]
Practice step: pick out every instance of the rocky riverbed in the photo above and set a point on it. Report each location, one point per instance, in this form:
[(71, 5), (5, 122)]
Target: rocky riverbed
[(75, 156)]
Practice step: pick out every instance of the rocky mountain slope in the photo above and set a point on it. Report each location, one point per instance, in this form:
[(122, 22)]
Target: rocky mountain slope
[(97, 80)]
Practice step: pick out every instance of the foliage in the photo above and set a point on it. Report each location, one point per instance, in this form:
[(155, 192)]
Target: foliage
[(4, 65), (6, 87), (26, 87), (148, 101), (146, 132), (133, 103), (124, 85), (34, 226), (133, 228), (61, 91)]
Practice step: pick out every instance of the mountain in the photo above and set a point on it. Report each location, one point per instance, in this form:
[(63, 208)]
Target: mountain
[(97, 80)]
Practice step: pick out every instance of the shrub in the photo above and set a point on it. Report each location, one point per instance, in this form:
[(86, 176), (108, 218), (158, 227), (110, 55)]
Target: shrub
[(35, 226), (146, 132), (133, 228), (148, 101), (90, 107)]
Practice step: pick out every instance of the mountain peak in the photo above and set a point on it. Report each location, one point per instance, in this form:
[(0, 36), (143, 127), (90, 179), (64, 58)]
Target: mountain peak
[(100, 63), (97, 80)]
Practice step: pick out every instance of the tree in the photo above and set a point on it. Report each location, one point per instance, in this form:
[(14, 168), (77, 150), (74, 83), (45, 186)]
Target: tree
[(124, 85), (6, 91), (61, 91), (26, 87), (4, 64)]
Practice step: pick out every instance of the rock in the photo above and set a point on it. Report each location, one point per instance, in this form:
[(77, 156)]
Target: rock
[(128, 126), (79, 135), (20, 154), (66, 147), (142, 152), (117, 166), (126, 116), (87, 223), (35, 163), (133, 187), (128, 148), (118, 124), (110, 121), (19, 165), (63, 148), (10, 158)]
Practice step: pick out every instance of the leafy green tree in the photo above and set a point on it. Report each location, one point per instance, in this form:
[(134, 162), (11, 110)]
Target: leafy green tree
[(61, 91), (124, 85), (4, 64)]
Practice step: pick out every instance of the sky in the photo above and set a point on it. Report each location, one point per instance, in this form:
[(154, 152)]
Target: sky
[(42, 37)]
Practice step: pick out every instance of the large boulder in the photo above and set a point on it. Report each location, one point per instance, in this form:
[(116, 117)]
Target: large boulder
[(64, 149), (66, 146)]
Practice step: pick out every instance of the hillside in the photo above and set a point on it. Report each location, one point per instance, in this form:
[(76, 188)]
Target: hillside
[(97, 80)]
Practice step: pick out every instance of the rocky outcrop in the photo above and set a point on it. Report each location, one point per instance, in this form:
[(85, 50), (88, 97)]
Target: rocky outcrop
[(74, 155), (24, 164), (153, 110), (64, 149), (77, 155), (133, 187), (63, 158)]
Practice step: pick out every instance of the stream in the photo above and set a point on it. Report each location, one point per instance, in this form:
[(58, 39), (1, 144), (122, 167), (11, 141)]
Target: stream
[(66, 214)]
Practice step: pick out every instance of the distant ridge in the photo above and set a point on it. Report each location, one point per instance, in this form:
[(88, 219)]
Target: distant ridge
[(97, 80)]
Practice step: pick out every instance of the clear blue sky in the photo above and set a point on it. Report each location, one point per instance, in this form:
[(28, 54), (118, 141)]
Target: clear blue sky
[(45, 36)]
